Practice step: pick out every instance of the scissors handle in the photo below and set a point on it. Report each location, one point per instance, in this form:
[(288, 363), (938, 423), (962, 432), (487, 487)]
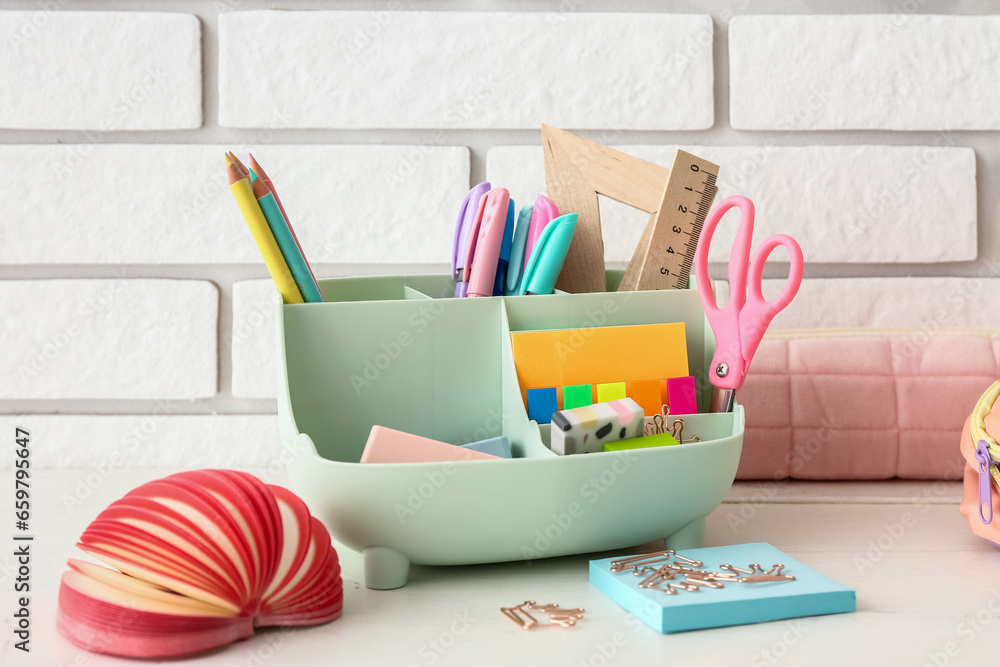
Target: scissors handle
[(757, 312), (738, 260), (739, 326)]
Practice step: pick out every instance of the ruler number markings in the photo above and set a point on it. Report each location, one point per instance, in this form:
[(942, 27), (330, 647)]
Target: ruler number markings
[(700, 212)]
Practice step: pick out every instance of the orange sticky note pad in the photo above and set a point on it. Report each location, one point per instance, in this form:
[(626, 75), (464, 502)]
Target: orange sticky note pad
[(647, 394), (599, 355)]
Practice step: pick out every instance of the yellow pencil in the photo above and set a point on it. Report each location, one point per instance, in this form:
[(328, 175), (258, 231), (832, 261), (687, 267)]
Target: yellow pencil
[(243, 192)]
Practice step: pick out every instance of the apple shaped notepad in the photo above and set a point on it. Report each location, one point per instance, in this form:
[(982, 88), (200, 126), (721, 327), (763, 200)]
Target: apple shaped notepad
[(201, 558)]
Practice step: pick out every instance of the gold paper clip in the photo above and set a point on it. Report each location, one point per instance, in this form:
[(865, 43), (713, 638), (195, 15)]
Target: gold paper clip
[(667, 577), (693, 581), (663, 574), (643, 560), (757, 574), (687, 561), (774, 574), (564, 618), (658, 424)]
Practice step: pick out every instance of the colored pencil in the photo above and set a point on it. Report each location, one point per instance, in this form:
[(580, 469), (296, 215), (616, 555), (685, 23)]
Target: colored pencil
[(243, 193), (256, 169), (286, 243), (242, 167)]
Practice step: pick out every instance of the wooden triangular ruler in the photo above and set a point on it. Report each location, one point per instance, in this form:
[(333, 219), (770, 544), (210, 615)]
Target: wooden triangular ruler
[(578, 170)]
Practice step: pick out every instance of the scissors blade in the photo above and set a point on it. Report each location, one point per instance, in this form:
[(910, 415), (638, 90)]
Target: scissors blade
[(722, 400)]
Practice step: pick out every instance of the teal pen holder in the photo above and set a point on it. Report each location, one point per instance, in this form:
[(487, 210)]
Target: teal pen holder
[(397, 351)]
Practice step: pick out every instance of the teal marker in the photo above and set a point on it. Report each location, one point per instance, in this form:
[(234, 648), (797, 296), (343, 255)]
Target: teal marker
[(515, 268), (548, 255)]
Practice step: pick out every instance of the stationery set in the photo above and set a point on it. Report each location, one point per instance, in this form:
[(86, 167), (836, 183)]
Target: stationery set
[(413, 403)]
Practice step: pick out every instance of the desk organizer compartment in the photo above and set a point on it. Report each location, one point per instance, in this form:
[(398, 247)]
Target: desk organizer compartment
[(394, 351)]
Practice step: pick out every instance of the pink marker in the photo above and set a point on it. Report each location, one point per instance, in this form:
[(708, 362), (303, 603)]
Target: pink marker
[(488, 239), (544, 212)]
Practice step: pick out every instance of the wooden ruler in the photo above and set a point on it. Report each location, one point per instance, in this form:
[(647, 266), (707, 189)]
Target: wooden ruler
[(578, 170), (663, 257)]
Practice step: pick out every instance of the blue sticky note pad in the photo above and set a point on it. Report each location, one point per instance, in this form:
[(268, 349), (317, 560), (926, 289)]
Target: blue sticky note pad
[(541, 404), (810, 594), (499, 446)]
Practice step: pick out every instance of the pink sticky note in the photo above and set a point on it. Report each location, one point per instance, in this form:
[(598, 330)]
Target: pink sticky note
[(386, 445), (681, 396)]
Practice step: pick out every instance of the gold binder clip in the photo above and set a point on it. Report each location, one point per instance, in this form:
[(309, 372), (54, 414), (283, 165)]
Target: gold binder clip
[(564, 618)]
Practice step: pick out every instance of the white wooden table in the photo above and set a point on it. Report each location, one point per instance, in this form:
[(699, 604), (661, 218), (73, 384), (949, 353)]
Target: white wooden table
[(928, 591)]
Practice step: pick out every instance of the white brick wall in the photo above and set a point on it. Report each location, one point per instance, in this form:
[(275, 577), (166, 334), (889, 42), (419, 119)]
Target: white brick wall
[(104, 71), (134, 298), (56, 212), (465, 70), (843, 204), (890, 303), (878, 72), (156, 439), (122, 338), (255, 352)]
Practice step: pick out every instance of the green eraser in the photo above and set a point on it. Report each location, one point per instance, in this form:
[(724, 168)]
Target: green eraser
[(657, 440), (577, 396)]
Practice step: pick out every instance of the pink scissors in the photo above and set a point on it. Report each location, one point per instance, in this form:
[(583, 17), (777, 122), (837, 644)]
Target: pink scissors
[(741, 324)]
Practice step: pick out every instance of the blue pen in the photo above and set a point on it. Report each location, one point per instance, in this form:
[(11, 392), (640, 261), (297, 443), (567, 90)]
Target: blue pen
[(463, 228), (515, 269), (548, 255), (502, 266)]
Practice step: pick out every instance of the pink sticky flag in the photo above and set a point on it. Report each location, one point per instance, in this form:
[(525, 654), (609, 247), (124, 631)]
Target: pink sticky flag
[(681, 396)]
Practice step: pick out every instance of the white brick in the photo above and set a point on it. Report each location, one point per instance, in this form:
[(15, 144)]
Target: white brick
[(105, 71), (167, 204), (849, 204), (465, 70), (254, 347), (109, 443), (871, 72), (94, 339), (891, 303)]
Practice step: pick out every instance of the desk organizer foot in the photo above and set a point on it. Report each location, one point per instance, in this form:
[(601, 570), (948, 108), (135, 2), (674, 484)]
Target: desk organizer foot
[(385, 568), (691, 536)]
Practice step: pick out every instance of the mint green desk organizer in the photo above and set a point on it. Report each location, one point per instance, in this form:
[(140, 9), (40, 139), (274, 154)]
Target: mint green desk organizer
[(396, 351)]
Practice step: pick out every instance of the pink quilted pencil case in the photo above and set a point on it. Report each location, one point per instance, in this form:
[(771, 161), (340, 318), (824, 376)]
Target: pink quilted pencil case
[(865, 404)]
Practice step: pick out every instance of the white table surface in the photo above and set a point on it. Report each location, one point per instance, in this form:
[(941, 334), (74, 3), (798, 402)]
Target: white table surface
[(926, 587)]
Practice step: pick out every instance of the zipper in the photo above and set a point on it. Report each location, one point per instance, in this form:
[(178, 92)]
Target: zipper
[(881, 331), (987, 450), (985, 488)]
